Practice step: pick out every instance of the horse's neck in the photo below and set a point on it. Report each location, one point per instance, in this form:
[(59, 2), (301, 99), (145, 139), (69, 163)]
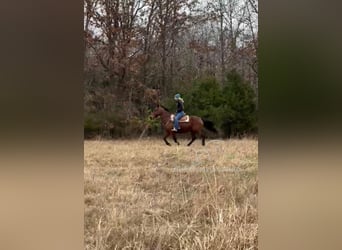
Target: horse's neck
[(165, 117)]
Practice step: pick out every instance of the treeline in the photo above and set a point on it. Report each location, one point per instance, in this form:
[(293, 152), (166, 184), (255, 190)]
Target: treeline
[(141, 52), (231, 106)]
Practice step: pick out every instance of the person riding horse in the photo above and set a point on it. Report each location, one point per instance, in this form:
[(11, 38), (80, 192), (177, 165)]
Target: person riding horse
[(194, 125), (179, 113)]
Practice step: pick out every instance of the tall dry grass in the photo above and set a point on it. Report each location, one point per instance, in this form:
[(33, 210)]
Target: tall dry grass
[(146, 195)]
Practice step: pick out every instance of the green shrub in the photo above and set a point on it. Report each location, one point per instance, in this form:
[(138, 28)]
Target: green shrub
[(239, 106)]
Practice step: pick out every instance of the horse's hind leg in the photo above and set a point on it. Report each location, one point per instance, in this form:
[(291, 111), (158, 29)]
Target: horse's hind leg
[(202, 134), (175, 138), (203, 138), (193, 137), (167, 143)]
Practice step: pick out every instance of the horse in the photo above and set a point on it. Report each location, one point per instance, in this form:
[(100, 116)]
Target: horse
[(194, 125)]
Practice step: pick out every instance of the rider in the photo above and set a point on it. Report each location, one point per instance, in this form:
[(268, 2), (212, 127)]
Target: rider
[(180, 111)]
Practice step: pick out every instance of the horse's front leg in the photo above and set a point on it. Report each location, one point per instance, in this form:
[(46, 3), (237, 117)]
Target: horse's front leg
[(167, 135), (175, 138), (193, 137)]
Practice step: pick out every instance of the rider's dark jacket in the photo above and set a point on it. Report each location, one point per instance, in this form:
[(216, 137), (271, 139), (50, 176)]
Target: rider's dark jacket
[(180, 106)]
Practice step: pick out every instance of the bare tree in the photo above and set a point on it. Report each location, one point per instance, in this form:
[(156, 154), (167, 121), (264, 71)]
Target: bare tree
[(138, 45)]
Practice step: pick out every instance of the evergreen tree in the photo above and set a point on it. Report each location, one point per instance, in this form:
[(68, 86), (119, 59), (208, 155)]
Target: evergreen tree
[(239, 107)]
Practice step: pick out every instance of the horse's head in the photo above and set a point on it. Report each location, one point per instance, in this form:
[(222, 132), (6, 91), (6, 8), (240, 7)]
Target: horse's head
[(157, 112)]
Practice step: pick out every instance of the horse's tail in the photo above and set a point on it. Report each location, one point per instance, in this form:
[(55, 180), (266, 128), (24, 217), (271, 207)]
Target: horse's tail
[(209, 125)]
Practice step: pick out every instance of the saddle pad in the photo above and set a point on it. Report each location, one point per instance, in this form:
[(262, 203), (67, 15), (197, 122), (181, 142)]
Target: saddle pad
[(185, 118)]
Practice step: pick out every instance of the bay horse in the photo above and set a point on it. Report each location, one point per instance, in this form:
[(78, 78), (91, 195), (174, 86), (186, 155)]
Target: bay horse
[(194, 126)]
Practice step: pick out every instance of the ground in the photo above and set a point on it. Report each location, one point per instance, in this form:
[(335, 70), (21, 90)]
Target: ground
[(146, 195)]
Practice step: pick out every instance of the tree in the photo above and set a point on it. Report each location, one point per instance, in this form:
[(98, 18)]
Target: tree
[(239, 106), (134, 47)]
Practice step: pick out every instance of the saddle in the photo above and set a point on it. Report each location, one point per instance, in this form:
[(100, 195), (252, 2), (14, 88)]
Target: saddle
[(185, 118)]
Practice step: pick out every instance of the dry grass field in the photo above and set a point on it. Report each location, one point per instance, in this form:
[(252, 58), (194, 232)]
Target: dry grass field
[(146, 195)]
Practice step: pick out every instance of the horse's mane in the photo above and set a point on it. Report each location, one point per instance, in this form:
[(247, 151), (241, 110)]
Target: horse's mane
[(165, 108)]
